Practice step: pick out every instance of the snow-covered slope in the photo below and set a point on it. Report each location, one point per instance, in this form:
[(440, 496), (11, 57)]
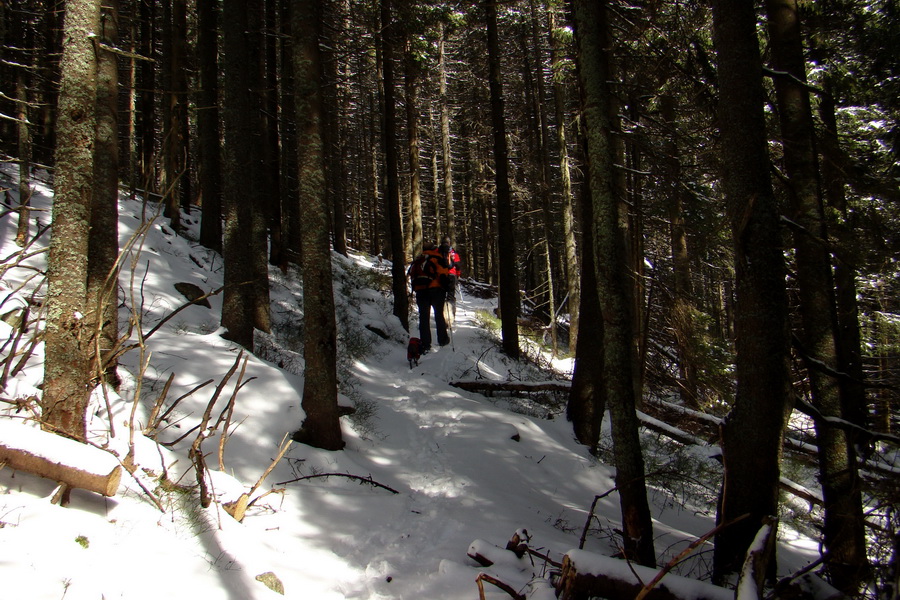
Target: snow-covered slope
[(427, 469)]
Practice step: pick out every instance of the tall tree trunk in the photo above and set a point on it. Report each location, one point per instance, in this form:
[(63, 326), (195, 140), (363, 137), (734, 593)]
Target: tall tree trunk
[(573, 270), (508, 269), (289, 201), (322, 427), (103, 246), (753, 432), (24, 142), (336, 118), (174, 31), (271, 142), (844, 529), (208, 131), (543, 136), (683, 312), (67, 362), (238, 298), (592, 35), (446, 152), (845, 268), (259, 192), (411, 84), (146, 125), (389, 139)]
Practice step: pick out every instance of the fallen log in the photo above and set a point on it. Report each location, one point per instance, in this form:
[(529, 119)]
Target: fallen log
[(60, 459), (586, 575), (489, 387)]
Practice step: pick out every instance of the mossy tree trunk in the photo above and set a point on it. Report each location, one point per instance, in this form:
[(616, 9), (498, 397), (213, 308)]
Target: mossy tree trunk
[(67, 365)]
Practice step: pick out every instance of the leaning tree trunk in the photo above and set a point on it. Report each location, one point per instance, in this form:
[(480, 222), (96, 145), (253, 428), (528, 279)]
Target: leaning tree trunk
[(322, 427), (752, 433), (844, 526), (508, 269), (591, 34), (67, 364)]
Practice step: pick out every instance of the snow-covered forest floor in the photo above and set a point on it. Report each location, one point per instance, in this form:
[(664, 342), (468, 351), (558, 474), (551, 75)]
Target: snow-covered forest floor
[(429, 470)]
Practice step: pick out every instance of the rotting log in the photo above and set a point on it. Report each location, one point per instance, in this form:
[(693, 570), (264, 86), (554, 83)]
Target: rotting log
[(60, 459)]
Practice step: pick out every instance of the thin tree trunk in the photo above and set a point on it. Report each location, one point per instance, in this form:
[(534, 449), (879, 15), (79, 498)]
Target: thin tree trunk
[(592, 33), (24, 135), (208, 131), (573, 284), (67, 364), (845, 270), (411, 84), (752, 434), (508, 269), (103, 247), (289, 201), (683, 312), (389, 140), (446, 152), (146, 126)]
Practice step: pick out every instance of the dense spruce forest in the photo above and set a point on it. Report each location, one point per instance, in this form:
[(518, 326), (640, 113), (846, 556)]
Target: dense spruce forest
[(697, 200)]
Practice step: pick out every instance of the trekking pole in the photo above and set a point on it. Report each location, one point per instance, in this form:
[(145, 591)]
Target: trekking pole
[(449, 323)]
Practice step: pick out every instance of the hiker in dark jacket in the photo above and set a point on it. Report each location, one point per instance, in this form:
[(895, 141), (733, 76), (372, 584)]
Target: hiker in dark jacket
[(427, 283)]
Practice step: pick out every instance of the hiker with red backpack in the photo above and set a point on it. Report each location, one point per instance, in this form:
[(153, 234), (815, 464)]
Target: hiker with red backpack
[(453, 262), (428, 275)]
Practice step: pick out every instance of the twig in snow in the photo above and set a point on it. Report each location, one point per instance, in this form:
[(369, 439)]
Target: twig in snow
[(368, 480)]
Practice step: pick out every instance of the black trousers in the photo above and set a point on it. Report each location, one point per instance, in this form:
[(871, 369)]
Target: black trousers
[(428, 300)]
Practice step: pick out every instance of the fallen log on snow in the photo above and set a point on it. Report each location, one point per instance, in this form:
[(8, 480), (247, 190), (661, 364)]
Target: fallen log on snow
[(489, 387), (587, 575), (51, 456)]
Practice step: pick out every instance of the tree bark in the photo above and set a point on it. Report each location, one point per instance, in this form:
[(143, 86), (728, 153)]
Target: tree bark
[(389, 141), (237, 244), (592, 35), (103, 246), (446, 151), (322, 427), (844, 529), (508, 269), (411, 84), (753, 432), (67, 364), (261, 191), (208, 130), (572, 268)]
